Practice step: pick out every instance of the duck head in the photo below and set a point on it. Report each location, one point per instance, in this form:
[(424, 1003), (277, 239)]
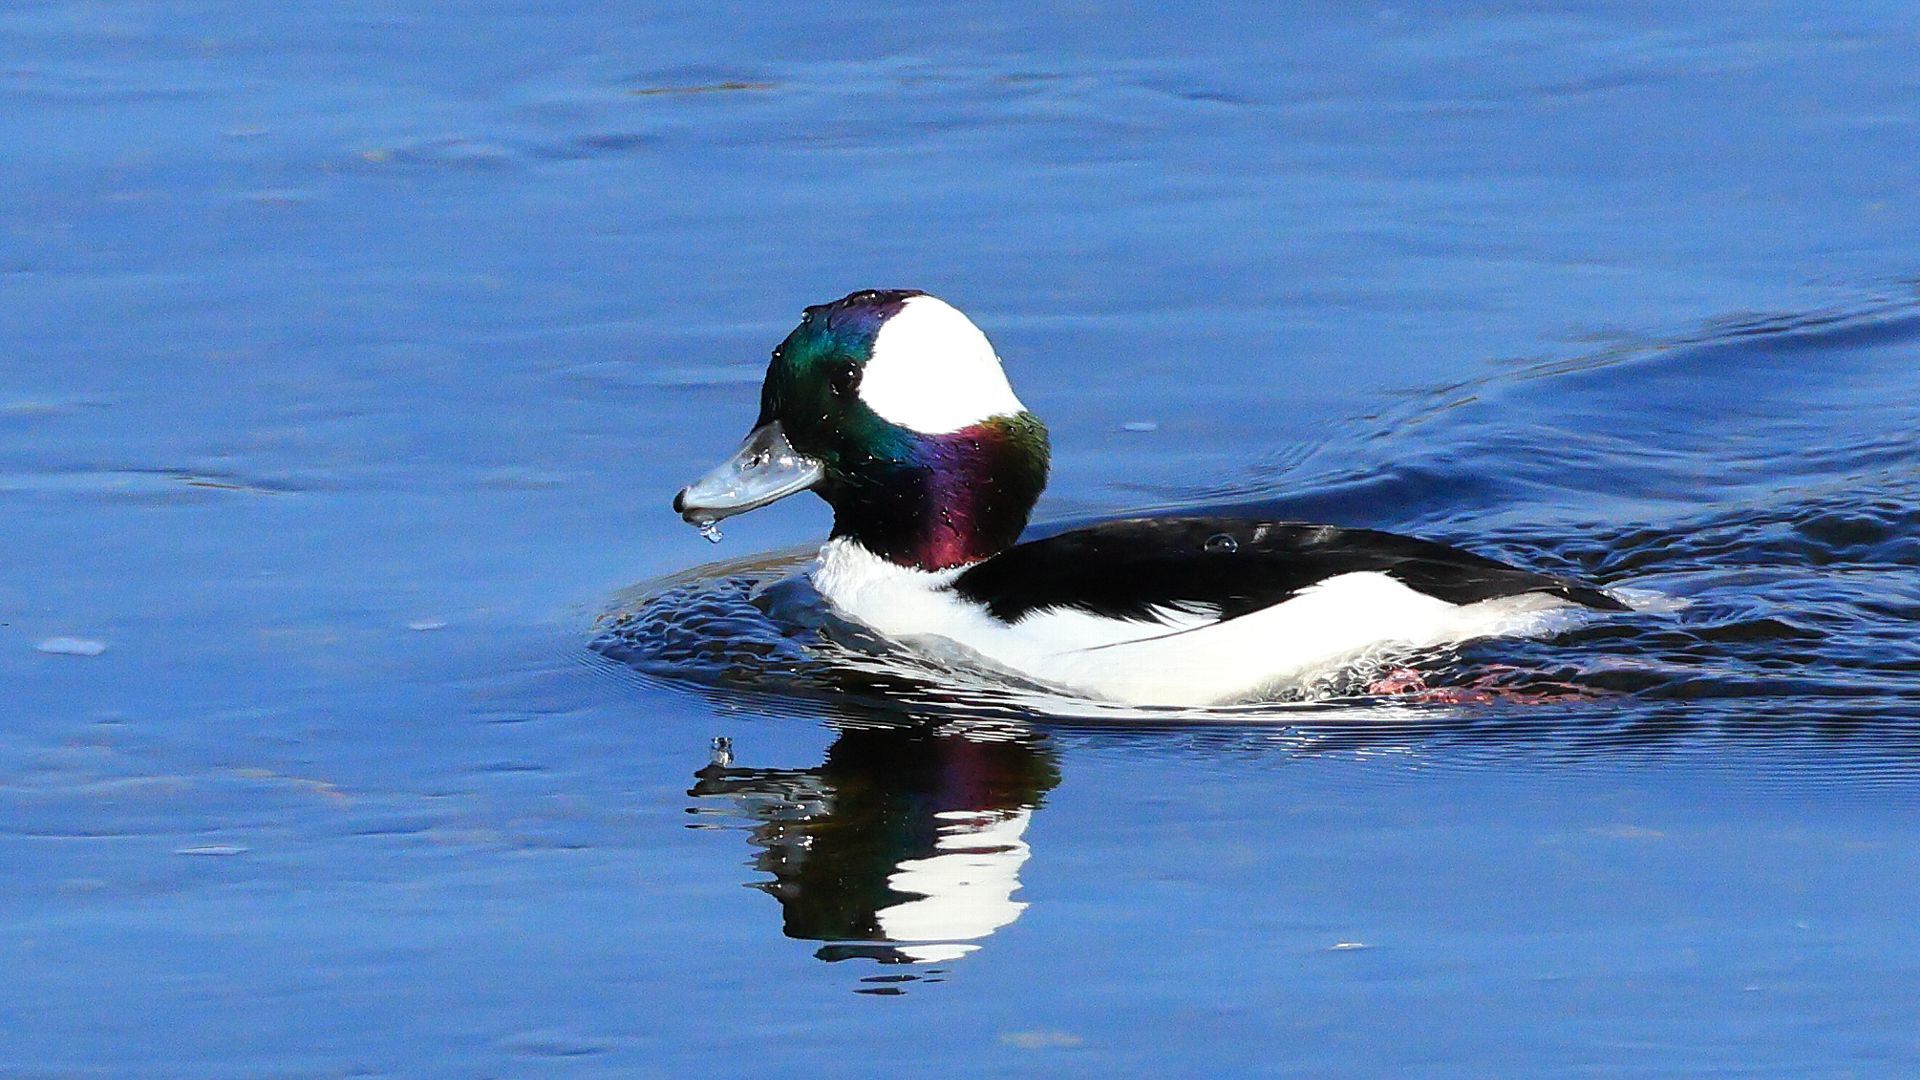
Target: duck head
[(892, 406)]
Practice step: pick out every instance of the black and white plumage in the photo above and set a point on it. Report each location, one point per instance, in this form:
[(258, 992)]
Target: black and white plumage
[(1134, 568), (1113, 613), (895, 409)]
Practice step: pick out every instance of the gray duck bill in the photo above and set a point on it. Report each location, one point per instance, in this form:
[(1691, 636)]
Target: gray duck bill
[(765, 469)]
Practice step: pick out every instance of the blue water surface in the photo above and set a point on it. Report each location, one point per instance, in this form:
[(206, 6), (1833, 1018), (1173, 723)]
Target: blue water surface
[(350, 353)]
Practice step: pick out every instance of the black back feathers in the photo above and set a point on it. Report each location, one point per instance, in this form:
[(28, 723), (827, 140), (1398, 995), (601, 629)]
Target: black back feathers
[(1129, 569)]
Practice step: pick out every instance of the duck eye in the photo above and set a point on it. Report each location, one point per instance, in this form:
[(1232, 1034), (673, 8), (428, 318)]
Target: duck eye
[(845, 380)]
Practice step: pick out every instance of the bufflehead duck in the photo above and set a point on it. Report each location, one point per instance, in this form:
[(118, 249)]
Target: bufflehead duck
[(893, 407)]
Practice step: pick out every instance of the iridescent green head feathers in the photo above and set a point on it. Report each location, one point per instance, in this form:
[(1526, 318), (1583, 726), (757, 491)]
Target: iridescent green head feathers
[(893, 406)]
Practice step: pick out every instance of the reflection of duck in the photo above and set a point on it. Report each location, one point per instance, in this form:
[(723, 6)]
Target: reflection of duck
[(893, 407), (905, 845)]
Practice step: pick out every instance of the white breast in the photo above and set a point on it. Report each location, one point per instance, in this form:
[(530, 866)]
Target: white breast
[(1192, 658)]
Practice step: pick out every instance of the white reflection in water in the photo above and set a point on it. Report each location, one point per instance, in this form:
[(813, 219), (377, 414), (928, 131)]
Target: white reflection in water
[(966, 891), (904, 846)]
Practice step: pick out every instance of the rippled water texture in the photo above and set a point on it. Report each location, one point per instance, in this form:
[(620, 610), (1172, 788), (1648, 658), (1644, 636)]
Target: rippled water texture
[(350, 354)]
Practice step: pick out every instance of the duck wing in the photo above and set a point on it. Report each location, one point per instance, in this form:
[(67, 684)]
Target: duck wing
[(1145, 568)]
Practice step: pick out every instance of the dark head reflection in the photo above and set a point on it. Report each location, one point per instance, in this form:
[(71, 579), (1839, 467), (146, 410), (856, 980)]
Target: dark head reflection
[(904, 846)]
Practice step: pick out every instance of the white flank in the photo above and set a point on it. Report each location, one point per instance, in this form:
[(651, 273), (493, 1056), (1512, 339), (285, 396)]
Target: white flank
[(1192, 659), (933, 371)]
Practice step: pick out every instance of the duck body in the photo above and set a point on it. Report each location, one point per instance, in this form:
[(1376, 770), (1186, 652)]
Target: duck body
[(1198, 611), (893, 407)]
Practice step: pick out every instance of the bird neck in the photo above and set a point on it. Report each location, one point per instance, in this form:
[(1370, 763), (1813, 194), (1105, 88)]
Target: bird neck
[(946, 500)]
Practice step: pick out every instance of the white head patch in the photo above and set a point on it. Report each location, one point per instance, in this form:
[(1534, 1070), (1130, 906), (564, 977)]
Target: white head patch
[(933, 371)]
